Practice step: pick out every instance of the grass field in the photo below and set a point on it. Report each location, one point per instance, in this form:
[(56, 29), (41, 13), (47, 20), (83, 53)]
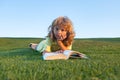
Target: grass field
[(19, 62)]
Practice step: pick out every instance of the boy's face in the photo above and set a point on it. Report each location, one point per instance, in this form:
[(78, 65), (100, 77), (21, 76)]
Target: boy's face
[(60, 33)]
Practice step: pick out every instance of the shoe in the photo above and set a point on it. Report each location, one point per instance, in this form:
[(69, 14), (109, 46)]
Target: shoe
[(30, 45)]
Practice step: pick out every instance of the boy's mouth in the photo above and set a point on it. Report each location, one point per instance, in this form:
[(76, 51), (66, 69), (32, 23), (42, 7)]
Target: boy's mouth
[(58, 36)]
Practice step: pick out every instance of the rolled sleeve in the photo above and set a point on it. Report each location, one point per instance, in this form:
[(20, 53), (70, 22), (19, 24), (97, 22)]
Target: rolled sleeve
[(44, 46)]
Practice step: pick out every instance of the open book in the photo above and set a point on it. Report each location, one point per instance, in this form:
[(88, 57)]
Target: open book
[(65, 55)]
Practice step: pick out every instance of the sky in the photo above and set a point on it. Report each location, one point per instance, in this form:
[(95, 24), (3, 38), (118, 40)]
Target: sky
[(31, 18)]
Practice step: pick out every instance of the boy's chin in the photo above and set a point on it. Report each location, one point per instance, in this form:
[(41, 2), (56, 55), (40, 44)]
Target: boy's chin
[(59, 39)]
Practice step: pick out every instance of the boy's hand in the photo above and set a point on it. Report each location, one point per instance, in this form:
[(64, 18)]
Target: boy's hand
[(59, 51), (62, 37)]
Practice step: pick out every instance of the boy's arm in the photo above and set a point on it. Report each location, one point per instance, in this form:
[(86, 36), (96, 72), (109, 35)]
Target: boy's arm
[(62, 46)]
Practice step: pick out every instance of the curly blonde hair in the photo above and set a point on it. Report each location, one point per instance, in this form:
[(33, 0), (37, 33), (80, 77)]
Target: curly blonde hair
[(68, 26)]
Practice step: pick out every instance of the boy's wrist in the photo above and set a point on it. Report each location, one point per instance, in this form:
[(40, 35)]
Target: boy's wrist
[(59, 42)]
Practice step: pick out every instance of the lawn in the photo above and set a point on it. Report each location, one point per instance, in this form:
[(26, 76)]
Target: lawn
[(19, 62)]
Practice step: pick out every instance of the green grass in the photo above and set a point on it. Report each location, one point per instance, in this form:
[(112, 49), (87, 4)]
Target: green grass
[(19, 62)]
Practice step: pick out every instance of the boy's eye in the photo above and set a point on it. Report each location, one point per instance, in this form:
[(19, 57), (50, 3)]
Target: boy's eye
[(57, 29)]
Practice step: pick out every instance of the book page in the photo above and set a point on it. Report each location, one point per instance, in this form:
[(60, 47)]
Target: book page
[(53, 56)]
